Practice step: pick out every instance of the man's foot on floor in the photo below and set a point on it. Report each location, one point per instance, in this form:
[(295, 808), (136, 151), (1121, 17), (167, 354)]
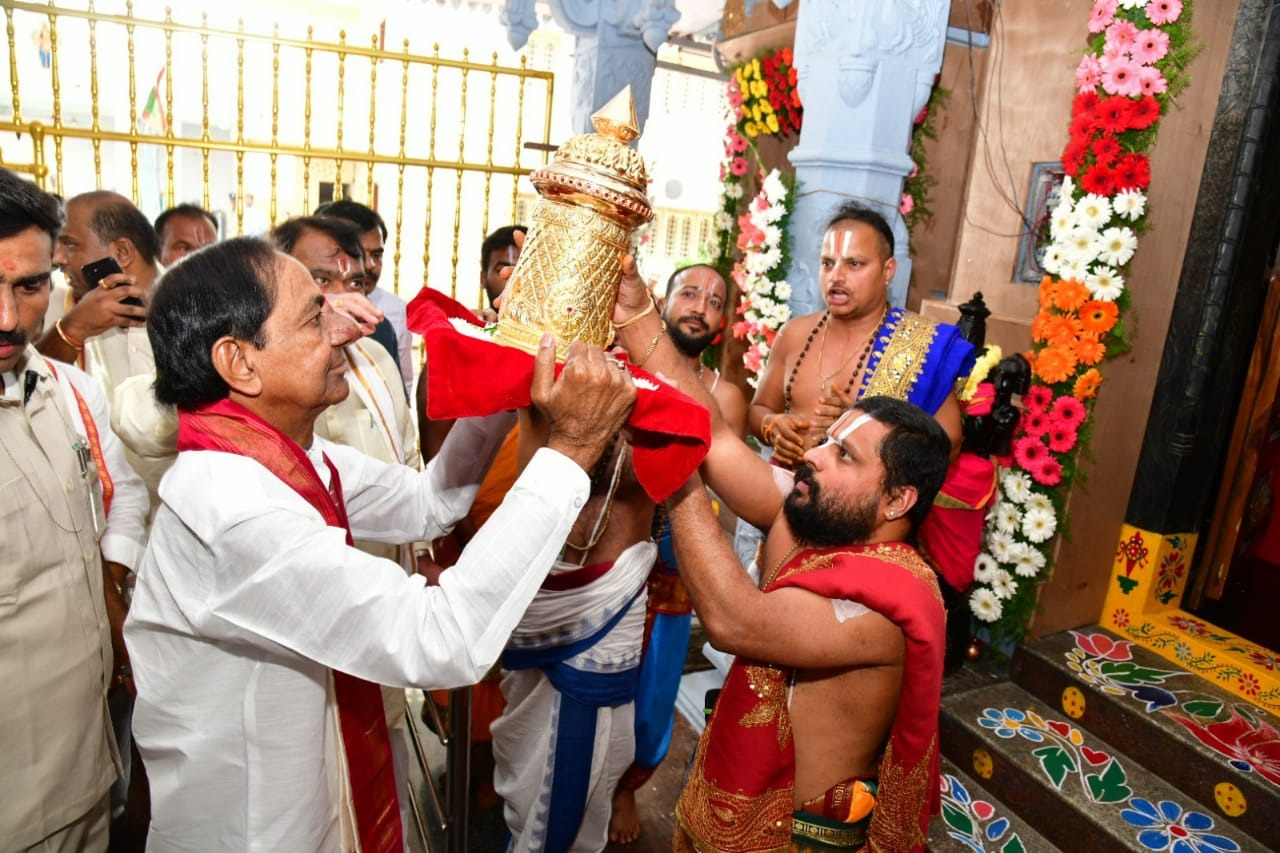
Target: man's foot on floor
[(624, 822)]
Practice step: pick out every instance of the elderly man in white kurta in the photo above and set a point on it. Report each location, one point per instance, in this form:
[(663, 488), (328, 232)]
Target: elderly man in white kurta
[(257, 632), (68, 501)]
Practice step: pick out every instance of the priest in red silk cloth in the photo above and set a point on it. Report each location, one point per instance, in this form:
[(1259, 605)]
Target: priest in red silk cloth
[(258, 634), (825, 735), (565, 283)]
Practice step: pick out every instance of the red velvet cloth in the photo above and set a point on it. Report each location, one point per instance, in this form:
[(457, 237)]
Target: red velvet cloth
[(951, 534), (470, 377), (230, 428)]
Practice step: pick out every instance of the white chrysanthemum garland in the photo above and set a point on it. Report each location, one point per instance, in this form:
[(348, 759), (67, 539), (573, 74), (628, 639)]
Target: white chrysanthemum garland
[(1135, 64), (760, 274)]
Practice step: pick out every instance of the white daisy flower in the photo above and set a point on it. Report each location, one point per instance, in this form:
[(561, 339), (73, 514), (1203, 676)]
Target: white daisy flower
[(1093, 211), (1130, 204), (1016, 486), (1117, 246), (1027, 560), (1053, 258), (985, 568), (733, 190), (782, 290), (773, 187), (1073, 268), (723, 221), (1104, 284), (1081, 242), (1008, 519), (1062, 221), (1133, 4), (998, 544), (985, 605), (772, 235), (1039, 500), (1004, 585), (773, 213), (1067, 188), (1038, 526)]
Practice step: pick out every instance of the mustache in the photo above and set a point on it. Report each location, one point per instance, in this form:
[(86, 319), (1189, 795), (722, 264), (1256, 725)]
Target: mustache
[(17, 337), (804, 474)]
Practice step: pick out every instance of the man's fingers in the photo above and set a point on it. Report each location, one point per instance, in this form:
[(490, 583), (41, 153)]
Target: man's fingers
[(544, 369)]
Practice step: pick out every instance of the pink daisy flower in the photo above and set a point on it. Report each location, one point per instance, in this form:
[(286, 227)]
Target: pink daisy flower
[(1103, 13), (1035, 423), (1088, 73), (1150, 82), (1048, 472), (1061, 439), (736, 142), (1151, 46), (907, 204), (1030, 453), (1037, 399), (738, 166), (1159, 12), (1068, 411), (1120, 76), (1122, 36)]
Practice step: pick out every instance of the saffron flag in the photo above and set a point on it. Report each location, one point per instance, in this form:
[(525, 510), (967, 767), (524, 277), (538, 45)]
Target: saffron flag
[(153, 118)]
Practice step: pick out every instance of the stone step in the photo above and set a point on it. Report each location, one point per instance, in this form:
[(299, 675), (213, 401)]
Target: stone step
[(1078, 791), (1208, 743), (973, 820)]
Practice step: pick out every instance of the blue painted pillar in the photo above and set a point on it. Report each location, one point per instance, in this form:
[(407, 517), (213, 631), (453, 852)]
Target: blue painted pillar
[(866, 68), (617, 45)]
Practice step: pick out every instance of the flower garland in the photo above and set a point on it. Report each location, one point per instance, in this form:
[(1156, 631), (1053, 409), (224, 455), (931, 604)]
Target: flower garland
[(761, 272), (914, 204), (1135, 66)]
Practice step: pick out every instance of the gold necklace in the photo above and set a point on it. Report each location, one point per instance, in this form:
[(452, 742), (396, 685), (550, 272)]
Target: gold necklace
[(785, 559)]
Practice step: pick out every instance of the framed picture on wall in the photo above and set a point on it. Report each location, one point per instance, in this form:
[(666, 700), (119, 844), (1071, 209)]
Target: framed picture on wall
[(1042, 197)]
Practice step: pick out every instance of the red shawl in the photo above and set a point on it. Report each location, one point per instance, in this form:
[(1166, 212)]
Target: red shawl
[(951, 535), (230, 428), (471, 377), (739, 795)]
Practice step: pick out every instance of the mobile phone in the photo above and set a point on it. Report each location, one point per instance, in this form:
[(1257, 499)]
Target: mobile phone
[(95, 271)]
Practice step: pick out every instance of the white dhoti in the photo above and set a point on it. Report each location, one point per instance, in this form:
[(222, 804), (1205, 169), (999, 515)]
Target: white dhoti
[(567, 733)]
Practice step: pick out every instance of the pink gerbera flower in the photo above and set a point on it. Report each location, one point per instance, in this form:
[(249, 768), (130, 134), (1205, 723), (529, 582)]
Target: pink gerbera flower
[(738, 166), (1068, 411), (1150, 81), (1030, 452), (1150, 47), (1159, 12), (1103, 13), (1088, 73), (1036, 423), (1048, 472), (736, 142), (1120, 76), (1037, 399), (1062, 439), (907, 204), (1122, 36)]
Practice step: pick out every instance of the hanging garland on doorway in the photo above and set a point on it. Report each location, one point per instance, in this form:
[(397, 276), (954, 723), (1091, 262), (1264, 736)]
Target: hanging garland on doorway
[(1133, 69)]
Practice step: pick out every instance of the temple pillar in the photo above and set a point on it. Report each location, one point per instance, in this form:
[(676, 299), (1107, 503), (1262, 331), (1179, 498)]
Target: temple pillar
[(617, 45), (865, 68)]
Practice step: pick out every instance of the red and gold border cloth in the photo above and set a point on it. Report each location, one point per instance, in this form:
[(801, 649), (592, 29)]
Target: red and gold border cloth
[(470, 376), (739, 795)]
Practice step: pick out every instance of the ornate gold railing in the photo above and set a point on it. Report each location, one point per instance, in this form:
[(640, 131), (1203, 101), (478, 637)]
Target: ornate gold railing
[(441, 157)]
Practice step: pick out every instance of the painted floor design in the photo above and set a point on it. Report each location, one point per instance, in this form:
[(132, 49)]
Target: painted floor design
[(975, 823), (1097, 777), (1240, 733)]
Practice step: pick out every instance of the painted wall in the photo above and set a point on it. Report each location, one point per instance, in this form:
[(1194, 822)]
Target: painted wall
[(1025, 100)]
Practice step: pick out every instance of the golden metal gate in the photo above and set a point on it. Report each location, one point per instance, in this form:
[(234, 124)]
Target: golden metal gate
[(452, 136)]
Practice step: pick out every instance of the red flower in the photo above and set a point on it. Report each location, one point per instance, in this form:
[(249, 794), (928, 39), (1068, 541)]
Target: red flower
[(1114, 114), (1143, 112), (1035, 423), (1037, 399), (1029, 452), (1048, 472), (1247, 745), (1068, 411), (1100, 179), (1081, 129), (1073, 156), (1102, 646), (1105, 150), (1061, 439), (1085, 105), (785, 55), (1132, 171)]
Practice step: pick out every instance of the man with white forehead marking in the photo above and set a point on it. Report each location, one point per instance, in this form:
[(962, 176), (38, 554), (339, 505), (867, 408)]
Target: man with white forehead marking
[(826, 730)]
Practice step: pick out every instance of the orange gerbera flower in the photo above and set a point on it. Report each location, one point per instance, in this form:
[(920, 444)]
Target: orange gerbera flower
[(1062, 330), (1054, 364), (1070, 295), (1098, 317), (1089, 350), (1047, 288), (1038, 326), (1087, 385)]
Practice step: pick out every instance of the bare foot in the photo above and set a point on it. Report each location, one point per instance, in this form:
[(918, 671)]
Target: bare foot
[(624, 822)]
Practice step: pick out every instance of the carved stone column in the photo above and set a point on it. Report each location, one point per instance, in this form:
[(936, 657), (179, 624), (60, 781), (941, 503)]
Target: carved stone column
[(866, 68), (617, 45)]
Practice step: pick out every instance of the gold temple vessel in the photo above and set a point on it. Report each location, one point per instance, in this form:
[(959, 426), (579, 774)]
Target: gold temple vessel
[(592, 198)]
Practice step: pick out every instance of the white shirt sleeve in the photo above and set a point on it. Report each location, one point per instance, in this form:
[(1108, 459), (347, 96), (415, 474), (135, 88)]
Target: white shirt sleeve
[(125, 536), (277, 573)]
